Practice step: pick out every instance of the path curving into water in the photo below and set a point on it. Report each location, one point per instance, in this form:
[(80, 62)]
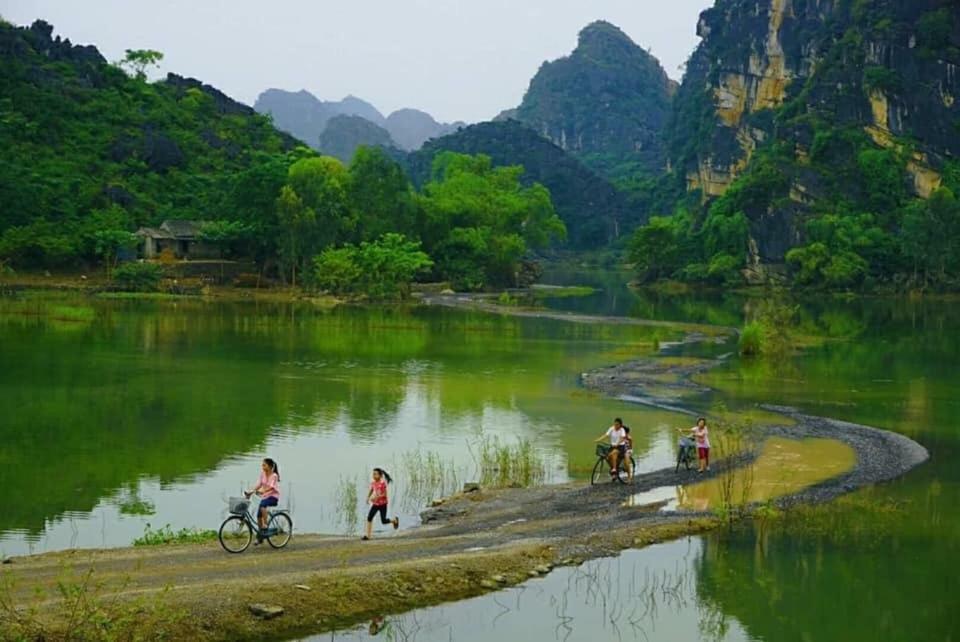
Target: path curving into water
[(470, 544)]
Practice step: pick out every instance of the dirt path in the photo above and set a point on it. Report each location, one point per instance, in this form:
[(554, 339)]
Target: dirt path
[(472, 543)]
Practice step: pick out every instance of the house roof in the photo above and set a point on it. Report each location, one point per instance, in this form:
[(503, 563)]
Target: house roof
[(173, 229), (181, 229), (154, 233)]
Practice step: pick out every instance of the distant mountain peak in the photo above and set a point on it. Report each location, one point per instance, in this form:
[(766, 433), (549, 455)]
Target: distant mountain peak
[(606, 103)]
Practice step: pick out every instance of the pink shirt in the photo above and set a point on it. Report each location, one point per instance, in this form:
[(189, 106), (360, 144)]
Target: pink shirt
[(271, 482), (378, 493), (702, 435)]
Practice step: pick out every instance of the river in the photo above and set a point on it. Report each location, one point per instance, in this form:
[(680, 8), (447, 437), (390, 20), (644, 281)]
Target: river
[(120, 413)]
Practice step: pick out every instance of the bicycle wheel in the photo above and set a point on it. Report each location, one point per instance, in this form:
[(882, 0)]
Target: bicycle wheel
[(281, 527), (688, 459), (235, 534), (601, 471), (622, 470), (680, 459)]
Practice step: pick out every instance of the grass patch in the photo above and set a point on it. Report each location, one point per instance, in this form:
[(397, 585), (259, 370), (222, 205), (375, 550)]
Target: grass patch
[(504, 465), (348, 500), (166, 535), (562, 292), (426, 475), (86, 609)]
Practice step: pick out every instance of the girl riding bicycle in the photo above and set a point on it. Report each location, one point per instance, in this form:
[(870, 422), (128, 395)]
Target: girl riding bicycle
[(268, 487)]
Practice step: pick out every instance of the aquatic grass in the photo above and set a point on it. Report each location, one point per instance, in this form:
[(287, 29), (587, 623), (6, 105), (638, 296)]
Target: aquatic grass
[(562, 292), (166, 535), (507, 465), (347, 504), (733, 438), (426, 475)]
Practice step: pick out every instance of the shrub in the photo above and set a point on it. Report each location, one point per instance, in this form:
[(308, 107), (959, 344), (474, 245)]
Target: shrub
[(138, 277), (751, 339), (382, 269)]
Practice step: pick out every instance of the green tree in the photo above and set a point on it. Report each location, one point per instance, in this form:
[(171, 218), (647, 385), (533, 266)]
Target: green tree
[(139, 60), (296, 222), (321, 183), (230, 237), (380, 194), (476, 214), (108, 243), (655, 249), (931, 238)]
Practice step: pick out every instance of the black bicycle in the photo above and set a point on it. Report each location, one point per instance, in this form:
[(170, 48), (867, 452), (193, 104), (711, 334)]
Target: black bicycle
[(687, 453), (236, 531), (601, 470)]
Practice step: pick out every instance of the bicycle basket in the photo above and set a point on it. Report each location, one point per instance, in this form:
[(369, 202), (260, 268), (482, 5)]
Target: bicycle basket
[(686, 442), (603, 450), (239, 505)]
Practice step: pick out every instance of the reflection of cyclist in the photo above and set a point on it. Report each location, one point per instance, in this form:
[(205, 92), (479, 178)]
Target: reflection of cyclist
[(616, 434)]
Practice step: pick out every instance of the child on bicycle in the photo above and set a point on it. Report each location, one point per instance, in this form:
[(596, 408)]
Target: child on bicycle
[(268, 488), (615, 434), (377, 498)]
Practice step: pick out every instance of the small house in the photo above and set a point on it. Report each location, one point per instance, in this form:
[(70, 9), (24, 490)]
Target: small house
[(181, 237)]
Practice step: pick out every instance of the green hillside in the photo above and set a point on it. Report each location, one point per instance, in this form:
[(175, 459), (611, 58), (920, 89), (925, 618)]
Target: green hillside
[(88, 147)]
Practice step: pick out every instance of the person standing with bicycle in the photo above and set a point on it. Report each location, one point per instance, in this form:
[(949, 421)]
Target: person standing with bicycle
[(701, 434), (268, 488), (618, 444)]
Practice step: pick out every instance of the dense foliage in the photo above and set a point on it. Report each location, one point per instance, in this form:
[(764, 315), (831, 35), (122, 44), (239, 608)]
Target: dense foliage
[(88, 149), (381, 269), (594, 212), (81, 174)]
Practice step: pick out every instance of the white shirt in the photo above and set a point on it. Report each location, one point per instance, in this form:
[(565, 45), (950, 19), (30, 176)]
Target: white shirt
[(616, 434)]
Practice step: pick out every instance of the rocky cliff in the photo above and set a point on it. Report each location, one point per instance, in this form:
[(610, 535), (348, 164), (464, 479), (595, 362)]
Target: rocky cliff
[(607, 103), (810, 85)]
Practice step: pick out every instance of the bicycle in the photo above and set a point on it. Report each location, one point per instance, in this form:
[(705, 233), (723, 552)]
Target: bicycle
[(236, 532), (687, 454), (602, 468)]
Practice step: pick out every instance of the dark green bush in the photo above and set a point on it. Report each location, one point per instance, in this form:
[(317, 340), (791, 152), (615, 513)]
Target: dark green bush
[(138, 277)]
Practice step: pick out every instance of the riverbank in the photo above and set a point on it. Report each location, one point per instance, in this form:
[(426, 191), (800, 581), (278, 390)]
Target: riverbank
[(100, 287), (469, 544)]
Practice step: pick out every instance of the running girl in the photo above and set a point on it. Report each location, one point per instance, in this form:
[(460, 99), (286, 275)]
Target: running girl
[(377, 498)]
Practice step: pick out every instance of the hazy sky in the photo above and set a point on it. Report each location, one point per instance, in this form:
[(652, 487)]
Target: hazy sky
[(457, 59)]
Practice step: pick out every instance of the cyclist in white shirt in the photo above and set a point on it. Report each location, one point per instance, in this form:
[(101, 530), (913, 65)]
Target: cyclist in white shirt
[(618, 443)]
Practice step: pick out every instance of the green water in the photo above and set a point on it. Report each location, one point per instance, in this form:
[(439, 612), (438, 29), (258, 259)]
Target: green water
[(113, 408), (110, 403), (880, 564)]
